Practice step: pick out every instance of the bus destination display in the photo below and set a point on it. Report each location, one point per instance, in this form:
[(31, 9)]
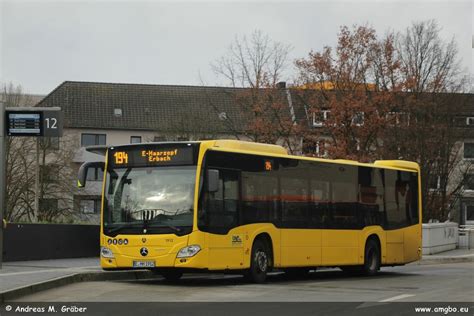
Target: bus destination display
[(144, 157), (24, 124)]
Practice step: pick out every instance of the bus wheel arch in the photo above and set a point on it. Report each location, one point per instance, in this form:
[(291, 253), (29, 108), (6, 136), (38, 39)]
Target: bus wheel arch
[(265, 237), (261, 258), (372, 255)]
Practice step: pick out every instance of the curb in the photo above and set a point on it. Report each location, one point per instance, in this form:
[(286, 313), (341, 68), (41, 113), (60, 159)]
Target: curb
[(73, 278), (440, 260)]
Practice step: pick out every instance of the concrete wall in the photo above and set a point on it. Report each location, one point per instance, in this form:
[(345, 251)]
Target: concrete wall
[(439, 237)]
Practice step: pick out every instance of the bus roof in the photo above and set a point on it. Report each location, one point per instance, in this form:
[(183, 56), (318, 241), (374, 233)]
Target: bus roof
[(239, 146), (279, 151)]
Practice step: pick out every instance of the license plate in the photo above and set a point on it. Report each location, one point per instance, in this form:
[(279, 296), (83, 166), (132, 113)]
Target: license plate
[(143, 264)]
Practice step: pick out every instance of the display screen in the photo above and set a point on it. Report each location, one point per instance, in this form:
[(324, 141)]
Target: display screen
[(151, 155), (23, 124)]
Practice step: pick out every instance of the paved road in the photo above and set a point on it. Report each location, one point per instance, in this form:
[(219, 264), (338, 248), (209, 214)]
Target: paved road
[(429, 283)]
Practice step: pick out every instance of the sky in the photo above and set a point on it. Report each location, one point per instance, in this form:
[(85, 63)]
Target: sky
[(43, 43)]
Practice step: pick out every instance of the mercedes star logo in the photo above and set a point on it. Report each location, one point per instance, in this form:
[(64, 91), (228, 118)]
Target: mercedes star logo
[(144, 252)]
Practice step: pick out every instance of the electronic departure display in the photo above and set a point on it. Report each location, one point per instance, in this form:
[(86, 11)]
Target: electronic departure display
[(147, 156), (24, 124)]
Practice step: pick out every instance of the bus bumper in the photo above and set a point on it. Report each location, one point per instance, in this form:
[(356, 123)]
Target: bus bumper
[(169, 260)]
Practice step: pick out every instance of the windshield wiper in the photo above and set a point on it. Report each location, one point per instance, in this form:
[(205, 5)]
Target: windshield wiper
[(117, 228), (174, 228)]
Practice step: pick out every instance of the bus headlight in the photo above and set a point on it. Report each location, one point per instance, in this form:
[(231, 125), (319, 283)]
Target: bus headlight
[(188, 251), (106, 252)]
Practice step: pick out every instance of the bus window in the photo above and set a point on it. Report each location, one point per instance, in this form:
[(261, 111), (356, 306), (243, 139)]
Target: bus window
[(319, 203), (294, 201), (294, 193), (259, 197), (413, 214), (398, 197), (371, 192), (320, 194), (344, 198)]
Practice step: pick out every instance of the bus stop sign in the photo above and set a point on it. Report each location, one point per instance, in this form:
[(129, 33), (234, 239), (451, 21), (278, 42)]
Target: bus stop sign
[(39, 122)]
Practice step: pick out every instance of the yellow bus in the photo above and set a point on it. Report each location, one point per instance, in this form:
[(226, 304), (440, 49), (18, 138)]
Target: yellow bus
[(228, 205)]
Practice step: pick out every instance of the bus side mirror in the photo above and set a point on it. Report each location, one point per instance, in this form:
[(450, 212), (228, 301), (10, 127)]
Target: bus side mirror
[(82, 174), (212, 180)]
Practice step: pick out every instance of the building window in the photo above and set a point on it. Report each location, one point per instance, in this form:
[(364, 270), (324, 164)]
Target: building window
[(320, 149), (434, 182), (92, 139), (469, 212), (358, 119), (470, 121), (88, 204), (315, 147), (320, 118), (468, 150), (95, 174), (118, 112), (135, 139), (469, 182)]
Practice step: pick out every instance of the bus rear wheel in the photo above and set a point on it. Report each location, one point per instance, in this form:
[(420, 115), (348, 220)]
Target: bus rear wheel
[(260, 262), (372, 258), (371, 261)]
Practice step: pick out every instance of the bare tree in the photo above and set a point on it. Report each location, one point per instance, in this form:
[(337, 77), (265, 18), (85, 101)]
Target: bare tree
[(19, 160), (428, 63), (57, 179), (431, 73), (254, 62), (257, 65)]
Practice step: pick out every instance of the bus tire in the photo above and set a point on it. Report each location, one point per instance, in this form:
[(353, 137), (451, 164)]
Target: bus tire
[(259, 262), (171, 275), (372, 258)]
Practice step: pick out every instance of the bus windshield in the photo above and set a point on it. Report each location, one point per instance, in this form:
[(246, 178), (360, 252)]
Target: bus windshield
[(149, 200)]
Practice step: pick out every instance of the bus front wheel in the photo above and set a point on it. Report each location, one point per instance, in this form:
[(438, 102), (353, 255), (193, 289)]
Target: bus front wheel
[(259, 263)]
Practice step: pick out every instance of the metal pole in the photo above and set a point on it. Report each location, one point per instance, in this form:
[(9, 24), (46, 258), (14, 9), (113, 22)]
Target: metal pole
[(37, 179), (2, 176)]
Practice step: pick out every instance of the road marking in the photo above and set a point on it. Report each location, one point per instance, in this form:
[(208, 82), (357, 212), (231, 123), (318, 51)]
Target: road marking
[(396, 298)]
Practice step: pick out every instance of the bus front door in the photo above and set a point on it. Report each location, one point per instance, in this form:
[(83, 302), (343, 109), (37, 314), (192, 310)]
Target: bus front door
[(226, 244)]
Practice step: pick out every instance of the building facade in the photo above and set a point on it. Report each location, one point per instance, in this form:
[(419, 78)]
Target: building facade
[(112, 114)]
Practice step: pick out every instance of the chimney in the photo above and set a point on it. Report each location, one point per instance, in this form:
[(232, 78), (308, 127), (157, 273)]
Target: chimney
[(281, 85)]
